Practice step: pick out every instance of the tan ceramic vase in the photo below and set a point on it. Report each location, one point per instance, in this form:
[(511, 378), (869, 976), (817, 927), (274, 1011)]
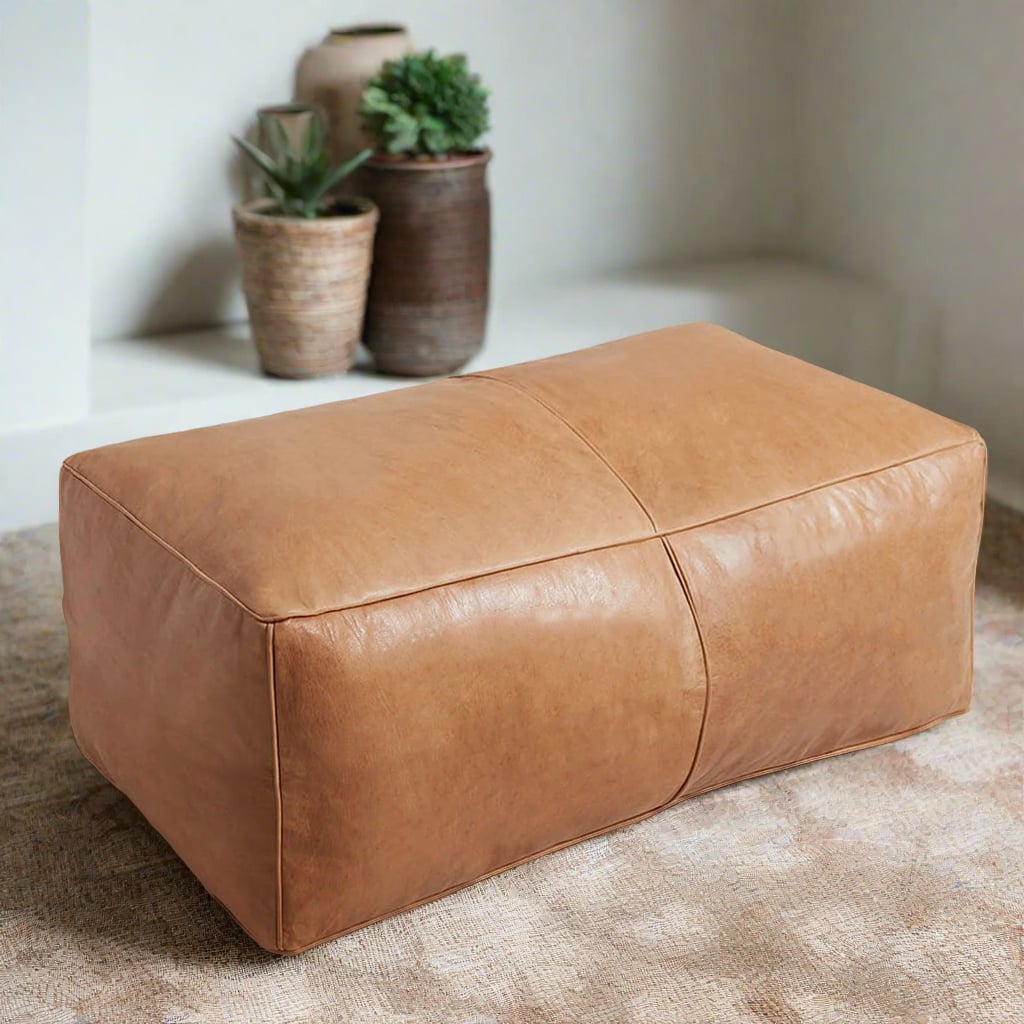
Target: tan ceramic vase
[(294, 120), (334, 74), (305, 285)]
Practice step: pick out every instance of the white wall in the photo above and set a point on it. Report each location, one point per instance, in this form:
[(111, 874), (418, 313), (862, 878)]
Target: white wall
[(883, 137), (912, 172), (44, 282), (626, 132)]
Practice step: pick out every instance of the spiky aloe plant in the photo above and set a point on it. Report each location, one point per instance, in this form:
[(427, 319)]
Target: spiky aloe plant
[(301, 177), (423, 104)]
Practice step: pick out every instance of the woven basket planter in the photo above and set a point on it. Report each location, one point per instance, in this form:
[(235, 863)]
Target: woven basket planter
[(305, 285), (427, 308)]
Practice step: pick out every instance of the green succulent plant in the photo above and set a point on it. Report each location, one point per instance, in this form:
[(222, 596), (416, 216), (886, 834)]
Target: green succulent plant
[(300, 177), (425, 105)]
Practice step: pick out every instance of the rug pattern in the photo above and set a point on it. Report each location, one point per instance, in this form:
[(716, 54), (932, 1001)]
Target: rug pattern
[(880, 886)]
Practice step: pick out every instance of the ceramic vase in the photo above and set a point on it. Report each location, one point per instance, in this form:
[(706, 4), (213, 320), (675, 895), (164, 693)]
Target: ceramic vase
[(294, 119), (334, 74)]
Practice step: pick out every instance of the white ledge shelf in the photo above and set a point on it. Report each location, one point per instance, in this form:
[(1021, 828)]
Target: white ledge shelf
[(153, 385)]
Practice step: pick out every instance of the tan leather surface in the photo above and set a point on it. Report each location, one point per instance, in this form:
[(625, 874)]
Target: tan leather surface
[(350, 658), (470, 726), (836, 617), (703, 423), (170, 700), (343, 503)]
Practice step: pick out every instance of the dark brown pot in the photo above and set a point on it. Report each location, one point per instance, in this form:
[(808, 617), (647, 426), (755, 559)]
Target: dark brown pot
[(427, 306)]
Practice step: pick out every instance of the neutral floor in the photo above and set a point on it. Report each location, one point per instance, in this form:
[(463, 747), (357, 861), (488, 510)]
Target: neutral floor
[(886, 885)]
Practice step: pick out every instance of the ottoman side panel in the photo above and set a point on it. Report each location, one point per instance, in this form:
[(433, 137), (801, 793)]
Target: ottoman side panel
[(170, 700), (838, 618), (429, 740)]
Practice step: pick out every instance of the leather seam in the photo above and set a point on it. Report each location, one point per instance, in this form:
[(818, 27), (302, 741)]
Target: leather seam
[(677, 568), (170, 548), (705, 712), (278, 801), (977, 552), (850, 748), (910, 460), (623, 823), (287, 616), (598, 454)]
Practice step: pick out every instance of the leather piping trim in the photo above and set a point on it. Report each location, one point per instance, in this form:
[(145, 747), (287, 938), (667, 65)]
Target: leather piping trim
[(684, 583), (977, 552), (153, 535), (586, 440), (673, 560), (811, 758), (278, 805), (95, 762), (902, 734), (284, 616)]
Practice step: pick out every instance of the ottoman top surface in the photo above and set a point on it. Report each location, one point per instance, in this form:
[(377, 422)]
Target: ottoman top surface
[(358, 501)]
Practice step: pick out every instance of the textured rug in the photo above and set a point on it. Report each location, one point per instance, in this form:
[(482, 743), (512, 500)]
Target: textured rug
[(884, 885)]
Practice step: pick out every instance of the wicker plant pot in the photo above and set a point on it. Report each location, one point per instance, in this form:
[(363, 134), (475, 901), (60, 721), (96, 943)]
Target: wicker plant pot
[(305, 285), (427, 308)]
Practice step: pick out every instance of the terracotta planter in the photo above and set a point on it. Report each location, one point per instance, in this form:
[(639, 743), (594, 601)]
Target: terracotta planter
[(334, 74), (427, 308), (305, 285)]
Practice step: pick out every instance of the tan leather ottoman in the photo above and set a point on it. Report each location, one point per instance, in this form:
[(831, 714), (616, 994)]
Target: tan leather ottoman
[(351, 658)]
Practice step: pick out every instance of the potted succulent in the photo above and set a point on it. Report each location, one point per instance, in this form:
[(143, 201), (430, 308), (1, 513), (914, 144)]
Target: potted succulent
[(305, 256), (427, 306)]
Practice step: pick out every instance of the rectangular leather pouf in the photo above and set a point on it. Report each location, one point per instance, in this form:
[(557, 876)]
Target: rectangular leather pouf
[(352, 658)]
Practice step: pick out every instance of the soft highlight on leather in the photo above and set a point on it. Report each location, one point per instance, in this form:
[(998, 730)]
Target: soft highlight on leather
[(352, 658)]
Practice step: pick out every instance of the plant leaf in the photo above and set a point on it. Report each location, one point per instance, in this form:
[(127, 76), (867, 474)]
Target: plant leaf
[(264, 162), (341, 172), (315, 139), (425, 103), (282, 143)]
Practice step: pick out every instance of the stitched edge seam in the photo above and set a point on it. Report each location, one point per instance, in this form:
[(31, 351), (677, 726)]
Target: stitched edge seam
[(892, 737), (977, 552), (269, 629), (278, 803), (113, 502), (579, 433), (705, 712), (284, 617), (677, 568)]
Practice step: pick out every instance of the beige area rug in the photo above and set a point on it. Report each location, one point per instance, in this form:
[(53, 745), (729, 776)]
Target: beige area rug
[(884, 885)]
